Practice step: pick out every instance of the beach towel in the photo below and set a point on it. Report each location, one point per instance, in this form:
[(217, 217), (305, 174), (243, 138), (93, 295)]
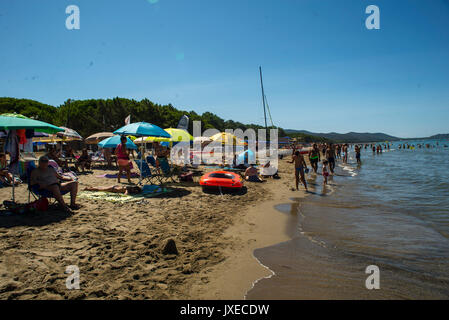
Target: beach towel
[(148, 191), (115, 175)]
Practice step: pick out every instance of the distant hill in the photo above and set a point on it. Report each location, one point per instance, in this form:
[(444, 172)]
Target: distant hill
[(347, 137), (440, 136)]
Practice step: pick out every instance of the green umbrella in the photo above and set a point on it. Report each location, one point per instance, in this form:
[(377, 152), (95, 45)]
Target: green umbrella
[(15, 121)]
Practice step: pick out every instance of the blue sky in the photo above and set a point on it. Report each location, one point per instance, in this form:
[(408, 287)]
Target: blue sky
[(323, 70)]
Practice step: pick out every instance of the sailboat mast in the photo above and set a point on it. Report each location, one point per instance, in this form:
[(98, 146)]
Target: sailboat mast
[(263, 98)]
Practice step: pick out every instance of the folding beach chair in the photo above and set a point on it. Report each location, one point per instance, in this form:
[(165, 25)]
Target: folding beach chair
[(147, 175), (151, 161), (35, 191), (169, 173)]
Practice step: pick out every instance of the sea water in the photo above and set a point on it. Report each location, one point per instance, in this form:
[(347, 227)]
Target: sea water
[(391, 212)]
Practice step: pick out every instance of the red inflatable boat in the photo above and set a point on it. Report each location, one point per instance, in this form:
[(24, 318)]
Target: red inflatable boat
[(224, 179)]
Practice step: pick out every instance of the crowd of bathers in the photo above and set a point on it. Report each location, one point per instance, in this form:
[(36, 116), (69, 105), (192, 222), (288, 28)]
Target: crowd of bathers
[(327, 154)]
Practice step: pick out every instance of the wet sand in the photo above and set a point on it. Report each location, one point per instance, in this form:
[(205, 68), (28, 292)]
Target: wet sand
[(118, 247), (260, 227)]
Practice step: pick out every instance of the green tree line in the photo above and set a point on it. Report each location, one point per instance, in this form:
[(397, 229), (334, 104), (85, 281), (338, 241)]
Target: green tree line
[(96, 115)]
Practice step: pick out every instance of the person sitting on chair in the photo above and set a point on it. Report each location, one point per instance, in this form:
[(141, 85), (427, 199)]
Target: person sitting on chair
[(5, 176), (252, 175), (46, 178), (83, 161), (54, 154)]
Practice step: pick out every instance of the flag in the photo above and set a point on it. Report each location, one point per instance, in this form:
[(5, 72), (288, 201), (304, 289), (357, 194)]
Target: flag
[(128, 120)]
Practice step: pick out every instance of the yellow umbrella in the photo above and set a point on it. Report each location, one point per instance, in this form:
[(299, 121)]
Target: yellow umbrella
[(150, 139), (176, 136), (227, 138), (49, 139), (179, 135)]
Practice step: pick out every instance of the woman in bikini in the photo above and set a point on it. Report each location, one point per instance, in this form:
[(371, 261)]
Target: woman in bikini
[(122, 154)]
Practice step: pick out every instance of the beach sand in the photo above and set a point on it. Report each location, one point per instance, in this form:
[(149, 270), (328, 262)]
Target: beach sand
[(118, 247)]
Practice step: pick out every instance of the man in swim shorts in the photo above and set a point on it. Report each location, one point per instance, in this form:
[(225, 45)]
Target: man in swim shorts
[(314, 157), (300, 164), (252, 175), (330, 156)]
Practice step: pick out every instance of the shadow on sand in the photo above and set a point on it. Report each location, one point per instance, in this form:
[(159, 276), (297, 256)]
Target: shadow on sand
[(37, 219)]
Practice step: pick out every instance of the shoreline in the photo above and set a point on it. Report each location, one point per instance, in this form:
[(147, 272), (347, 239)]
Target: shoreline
[(262, 226)]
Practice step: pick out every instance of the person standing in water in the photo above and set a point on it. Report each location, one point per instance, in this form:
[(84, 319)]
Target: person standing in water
[(123, 162), (314, 157), (338, 153), (357, 154), (300, 164), (325, 172), (345, 153), (330, 156)]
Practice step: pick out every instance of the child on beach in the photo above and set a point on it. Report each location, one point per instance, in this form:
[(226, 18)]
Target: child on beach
[(324, 171)]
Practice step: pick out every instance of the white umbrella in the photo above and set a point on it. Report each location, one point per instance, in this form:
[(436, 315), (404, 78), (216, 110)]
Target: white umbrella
[(69, 134)]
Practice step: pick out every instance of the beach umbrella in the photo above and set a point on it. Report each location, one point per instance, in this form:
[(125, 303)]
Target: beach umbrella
[(69, 134), (36, 135), (143, 129), (249, 155), (114, 141), (179, 135), (49, 139), (97, 137), (15, 122), (227, 138)]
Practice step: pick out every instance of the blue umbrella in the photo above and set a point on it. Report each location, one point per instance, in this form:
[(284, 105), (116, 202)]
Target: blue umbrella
[(114, 141), (143, 129), (249, 155)]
